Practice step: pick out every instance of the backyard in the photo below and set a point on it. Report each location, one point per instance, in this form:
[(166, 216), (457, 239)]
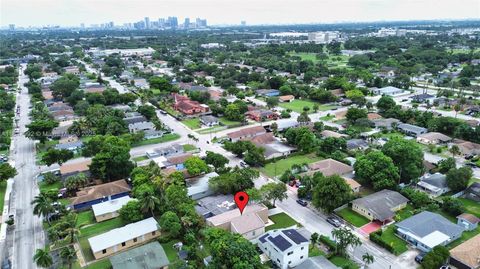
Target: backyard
[(193, 123), (163, 139), (298, 105), (92, 230), (281, 220), (279, 167), (472, 207), (353, 217)]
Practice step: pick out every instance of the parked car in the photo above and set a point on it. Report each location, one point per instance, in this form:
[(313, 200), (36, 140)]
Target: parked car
[(302, 202), (335, 222), (243, 164), (471, 164), (419, 257), (163, 112)]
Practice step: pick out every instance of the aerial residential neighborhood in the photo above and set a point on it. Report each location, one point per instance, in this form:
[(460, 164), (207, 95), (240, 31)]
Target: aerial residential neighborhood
[(290, 135)]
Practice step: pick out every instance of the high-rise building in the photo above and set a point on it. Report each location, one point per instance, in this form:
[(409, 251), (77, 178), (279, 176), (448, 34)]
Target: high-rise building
[(200, 23), (11, 27), (139, 25), (82, 25), (186, 23), (161, 22), (243, 23), (147, 22), (172, 22)]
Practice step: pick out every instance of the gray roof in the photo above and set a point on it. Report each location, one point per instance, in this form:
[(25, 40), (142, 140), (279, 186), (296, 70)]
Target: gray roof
[(149, 256), (208, 119), (380, 204), (199, 184), (437, 180), (165, 151), (426, 222), (69, 145), (385, 122), (215, 205), (356, 143), (412, 128), (318, 262), (134, 119)]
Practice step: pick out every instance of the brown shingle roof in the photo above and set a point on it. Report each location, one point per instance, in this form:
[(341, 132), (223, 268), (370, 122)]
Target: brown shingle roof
[(469, 217), (286, 97), (99, 191), (330, 167), (468, 253), (178, 159), (262, 139), (75, 167), (247, 131)]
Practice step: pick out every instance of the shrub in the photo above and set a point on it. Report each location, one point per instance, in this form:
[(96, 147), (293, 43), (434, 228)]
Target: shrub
[(328, 242)]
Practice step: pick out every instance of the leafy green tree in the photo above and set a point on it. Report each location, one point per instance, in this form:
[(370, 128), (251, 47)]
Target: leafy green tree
[(217, 160), (274, 191), (272, 102), (329, 145), (112, 161), (131, 212), (42, 258), (303, 118), (196, 166), (59, 156), (376, 169), (385, 103), (42, 206), (330, 192), (255, 156), (50, 178), (160, 83), (435, 258), (170, 223), (356, 96), (147, 111), (301, 137), (237, 179), (40, 129), (7, 171), (149, 203), (68, 256), (354, 114), (446, 164), (230, 250), (232, 112), (457, 179), (407, 156), (314, 239), (344, 238), (455, 150), (453, 206)]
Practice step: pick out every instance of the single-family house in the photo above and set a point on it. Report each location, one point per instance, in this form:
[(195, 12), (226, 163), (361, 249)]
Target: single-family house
[(214, 205), (148, 256), (354, 185), (250, 224), (177, 161), (411, 130), (268, 92), (357, 143), (140, 83), (468, 221), (380, 206), (467, 254), (261, 115), (71, 146), (433, 138), (472, 192), (389, 90), (186, 106), (273, 147), (282, 125), (209, 120), (387, 72), (75, 167), (246, 133), (434, 185), (165, 151), (328, 133), (317, 262), (109, 209), (427, 230), (329, 167), (373, 116), (422, 98), (286, 248), (198, 187), (134, 119), (92, 195), (123, 238), (467, 148), (387, 124), (286, 98)]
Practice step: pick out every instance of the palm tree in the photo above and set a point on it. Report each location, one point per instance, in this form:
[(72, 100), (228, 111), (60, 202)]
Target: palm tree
[(149, 203), (42, 206), (368, 259), (42, 258), (69, 222), (314, 239), (455, 150), (68, 256)]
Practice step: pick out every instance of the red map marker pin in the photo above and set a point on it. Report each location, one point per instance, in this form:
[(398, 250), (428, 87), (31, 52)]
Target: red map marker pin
[(241, 199)]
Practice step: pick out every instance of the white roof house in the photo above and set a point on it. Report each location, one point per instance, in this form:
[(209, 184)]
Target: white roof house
[(198, 187), (119, 235), (110, 206)]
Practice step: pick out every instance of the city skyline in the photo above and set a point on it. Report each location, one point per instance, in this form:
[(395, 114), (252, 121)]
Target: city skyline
[(56, 12)]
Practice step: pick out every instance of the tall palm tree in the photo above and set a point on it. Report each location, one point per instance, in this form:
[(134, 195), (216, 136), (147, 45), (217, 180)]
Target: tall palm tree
[(314, 239), (42, 258), (68, 256), (368, 259), (149, 203), (455, 150), (70, 226), (42, 206)]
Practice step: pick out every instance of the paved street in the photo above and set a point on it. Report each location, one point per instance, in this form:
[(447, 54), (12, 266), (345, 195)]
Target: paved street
[(27, 234)]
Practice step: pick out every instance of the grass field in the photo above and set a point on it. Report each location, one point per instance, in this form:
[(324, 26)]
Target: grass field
[(398, 244), (283, 165), (298, 105), (85, 218), (193, 123), (471, 206), (226, 122), (3, 188), (212, 129), (281, 220), (188, 147), (163, 139), (331, 61), (140, 158), (101, 264), (353, 217), (343, 262), (43, 186), (315, 251), (95, 229), (170, 250)]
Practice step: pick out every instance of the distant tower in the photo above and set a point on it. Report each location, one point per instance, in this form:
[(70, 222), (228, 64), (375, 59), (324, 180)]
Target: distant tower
[(11, 27), (186, 23), (82, 25), (243, 23), (147, 22)]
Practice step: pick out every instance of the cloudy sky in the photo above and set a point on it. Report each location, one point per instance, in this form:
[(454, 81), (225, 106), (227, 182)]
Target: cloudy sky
[(74, 12)]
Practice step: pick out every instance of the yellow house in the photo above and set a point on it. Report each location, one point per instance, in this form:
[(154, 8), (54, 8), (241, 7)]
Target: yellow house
[(380, 206), (123, 238), (109, 209)]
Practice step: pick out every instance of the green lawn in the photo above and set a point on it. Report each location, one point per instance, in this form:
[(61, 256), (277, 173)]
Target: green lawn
[(315, 251), (398, 244), (188, 147), (327, 118), (43, 186), (86, 250), (226, 122), (85, 218), (343, 262), (405, 213), (101, 264), (3, 188), (163, 139), (279, 167), (331, 61), (212, 129), (95, 229), (297, 105), (471, 206), (140, 158), (465, 236), (353, 217), (281, 220), (193, 123), (170, 250)]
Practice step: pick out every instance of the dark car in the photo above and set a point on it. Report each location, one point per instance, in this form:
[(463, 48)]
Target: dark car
[(301, 202), (471, 164), (419, 257), (335, 222)]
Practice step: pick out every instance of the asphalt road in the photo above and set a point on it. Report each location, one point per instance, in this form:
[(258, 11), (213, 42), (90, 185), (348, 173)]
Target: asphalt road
[(28, 233)]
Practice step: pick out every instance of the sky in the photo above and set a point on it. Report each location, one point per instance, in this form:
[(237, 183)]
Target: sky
[(74, 12)]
